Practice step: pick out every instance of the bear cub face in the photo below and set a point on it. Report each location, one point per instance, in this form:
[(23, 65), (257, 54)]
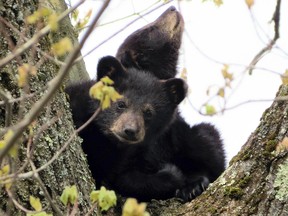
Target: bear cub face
[(147, 105)]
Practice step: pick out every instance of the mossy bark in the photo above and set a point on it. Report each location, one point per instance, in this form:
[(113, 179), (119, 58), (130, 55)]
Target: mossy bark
[(256, 181), (54, 125)]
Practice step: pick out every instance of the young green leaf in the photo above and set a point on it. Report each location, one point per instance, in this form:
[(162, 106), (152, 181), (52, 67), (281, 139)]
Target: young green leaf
[(133, 208), (14, 150), (103, 92), (23, 72), (284, 77), (22, 76), (105, 198), (221, 92), (75, 14), (226, 74), (3, 172), (249, 3), (52, 22), (35, 203), (210, 110), (107, 81), (83, 22), (216, 2), (39, 214), (69, 195), (37, 15), (62, 47)]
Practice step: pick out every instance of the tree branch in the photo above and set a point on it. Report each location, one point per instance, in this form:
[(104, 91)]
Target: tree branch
[(8, 108), (262, 53), (8, 178)]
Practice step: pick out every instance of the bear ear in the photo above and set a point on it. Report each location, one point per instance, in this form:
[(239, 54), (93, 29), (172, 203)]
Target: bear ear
[(128, 59), (109, 66), (176, 89)]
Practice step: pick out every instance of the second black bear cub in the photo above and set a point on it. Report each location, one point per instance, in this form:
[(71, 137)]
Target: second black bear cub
[(155, 47), (122, 141)]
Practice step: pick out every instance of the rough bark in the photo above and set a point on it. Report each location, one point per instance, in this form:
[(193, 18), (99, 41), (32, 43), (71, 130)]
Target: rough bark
[(71, 166), (256, 181)]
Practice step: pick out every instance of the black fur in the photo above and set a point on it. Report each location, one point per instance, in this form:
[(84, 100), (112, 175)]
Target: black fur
[(119, 161)]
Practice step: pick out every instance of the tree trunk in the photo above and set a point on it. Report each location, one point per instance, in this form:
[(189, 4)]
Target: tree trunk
[(54, 125), (256, 181)]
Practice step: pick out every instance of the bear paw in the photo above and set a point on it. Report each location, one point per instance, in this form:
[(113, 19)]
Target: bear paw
[(193, 188)]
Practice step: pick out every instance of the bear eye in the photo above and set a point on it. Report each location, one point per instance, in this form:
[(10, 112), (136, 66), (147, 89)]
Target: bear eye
[(148, 113), (121, 105)]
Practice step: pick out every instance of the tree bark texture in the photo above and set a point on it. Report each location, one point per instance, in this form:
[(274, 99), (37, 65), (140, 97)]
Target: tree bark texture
[(256, 181), (54, 125)]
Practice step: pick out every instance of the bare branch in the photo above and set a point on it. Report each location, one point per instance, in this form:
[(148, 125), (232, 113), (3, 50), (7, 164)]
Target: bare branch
[(42, 186), (8, 108), (8, 178), (18, 205), (282, 98), (92, 209), (46, 55), (267, 49), (56, 156)]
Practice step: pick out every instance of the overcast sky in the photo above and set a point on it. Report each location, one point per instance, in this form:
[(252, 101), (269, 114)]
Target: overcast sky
[(213, 36)]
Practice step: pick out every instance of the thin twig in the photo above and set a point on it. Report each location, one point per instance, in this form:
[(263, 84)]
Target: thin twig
[(42, 186), (8, 178), (12, 100), (267, 49), (46, 55), (74, 209), (92, 209), (277, 99), (6, 96), (29, 151), (18, 205), (56, 156)]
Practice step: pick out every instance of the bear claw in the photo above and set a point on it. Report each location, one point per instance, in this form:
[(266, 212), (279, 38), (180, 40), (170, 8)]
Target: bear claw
[(193, 189)]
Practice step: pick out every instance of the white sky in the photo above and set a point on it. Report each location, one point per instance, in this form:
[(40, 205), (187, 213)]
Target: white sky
[(225, 34)]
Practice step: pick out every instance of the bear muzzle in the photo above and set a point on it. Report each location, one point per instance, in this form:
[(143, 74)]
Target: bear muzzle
[(129, 128)]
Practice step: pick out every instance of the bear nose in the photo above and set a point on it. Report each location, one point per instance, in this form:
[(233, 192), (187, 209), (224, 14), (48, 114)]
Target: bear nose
[(172, 8), (130, 133)]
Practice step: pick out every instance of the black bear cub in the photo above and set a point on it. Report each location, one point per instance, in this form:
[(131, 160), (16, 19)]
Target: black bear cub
[(122, 140), (131, 146), (155, 47), (139, 146)]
